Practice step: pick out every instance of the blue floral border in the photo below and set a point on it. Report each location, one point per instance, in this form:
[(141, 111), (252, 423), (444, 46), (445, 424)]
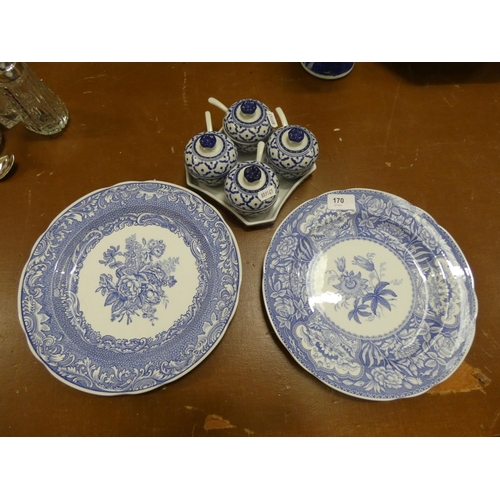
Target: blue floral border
[(91, 368), (68, 285), (412, 360)]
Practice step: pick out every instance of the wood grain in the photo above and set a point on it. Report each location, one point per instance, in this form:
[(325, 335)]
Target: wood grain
[(427, 133)]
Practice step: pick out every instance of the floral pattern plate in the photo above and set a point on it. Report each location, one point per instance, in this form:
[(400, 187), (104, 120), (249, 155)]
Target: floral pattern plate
[(130, 288), (369, 294)]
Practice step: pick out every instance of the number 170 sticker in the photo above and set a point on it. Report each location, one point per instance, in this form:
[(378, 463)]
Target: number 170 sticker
[(341, 202)]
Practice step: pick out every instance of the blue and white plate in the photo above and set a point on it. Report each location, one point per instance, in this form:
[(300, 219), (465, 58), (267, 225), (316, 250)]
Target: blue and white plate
[(130, 288), (369, 294)]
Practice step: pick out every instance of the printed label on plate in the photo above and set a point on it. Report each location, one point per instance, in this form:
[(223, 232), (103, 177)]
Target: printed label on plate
[(272, 119), (341, 202), (267, 193)]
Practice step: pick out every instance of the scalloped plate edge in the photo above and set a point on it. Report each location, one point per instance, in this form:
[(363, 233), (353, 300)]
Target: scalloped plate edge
[(125, 393)]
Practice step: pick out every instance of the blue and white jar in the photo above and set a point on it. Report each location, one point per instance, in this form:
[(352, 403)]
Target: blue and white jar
[(246, 122), (209, 156), (291, 150), (252, 187)]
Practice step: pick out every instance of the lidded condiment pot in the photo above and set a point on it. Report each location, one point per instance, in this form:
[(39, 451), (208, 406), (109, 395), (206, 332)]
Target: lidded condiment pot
[(252, 187), (209, 156), (246, 122), (291, 150)]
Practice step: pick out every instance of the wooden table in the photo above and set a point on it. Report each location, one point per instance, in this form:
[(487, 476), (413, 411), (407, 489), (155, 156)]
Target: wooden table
[(429, 133)]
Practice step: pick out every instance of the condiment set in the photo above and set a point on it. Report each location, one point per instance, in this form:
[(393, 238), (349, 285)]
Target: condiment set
[(249, 127)]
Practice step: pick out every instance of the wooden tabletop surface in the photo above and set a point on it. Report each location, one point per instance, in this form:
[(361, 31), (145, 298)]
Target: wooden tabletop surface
[(429, 133)]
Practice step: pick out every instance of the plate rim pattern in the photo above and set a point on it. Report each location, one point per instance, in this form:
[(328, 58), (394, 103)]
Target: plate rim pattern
[(32, 316), (291, 341)]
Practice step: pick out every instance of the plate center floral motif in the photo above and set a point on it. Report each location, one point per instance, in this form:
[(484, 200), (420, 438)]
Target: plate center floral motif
[(129, 283), (141, 279), (362, 287)]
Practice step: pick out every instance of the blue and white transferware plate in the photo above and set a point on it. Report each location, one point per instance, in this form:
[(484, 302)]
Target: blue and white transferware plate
[(130, 288), (369, 294)]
